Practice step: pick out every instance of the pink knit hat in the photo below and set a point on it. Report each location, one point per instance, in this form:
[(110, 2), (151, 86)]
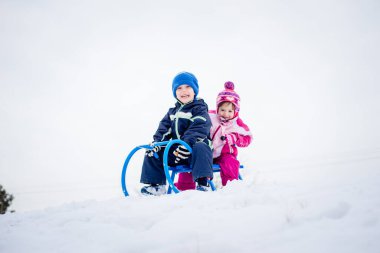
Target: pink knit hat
[(228, 95)]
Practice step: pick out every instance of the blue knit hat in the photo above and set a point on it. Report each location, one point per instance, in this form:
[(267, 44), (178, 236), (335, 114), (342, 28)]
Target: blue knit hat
[(185, 78)]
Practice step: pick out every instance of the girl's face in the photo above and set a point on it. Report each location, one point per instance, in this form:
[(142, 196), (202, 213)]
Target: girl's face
[(226, 111), (185, 93)]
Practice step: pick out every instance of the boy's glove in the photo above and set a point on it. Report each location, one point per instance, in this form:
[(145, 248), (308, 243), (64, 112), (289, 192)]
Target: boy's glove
[(181, 153), (155, 149)]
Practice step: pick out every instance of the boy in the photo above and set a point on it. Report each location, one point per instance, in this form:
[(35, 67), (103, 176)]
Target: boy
[(190, 122)]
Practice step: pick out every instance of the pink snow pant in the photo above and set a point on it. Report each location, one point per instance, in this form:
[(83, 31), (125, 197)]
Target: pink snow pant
[(229, 170)]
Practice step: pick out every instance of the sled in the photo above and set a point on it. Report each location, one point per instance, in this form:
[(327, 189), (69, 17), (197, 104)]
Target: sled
[(170, 172)]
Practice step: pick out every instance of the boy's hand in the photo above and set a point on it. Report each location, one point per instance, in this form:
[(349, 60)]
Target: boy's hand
[(181, 153), (155, 149)]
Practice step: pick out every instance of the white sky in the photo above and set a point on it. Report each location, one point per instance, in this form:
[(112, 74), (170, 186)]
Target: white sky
[(83, 82)]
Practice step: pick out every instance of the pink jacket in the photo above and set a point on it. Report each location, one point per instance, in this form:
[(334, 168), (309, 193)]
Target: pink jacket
[(235, 130)]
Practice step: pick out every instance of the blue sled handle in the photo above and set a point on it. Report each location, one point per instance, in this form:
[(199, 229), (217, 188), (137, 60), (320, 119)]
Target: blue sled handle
[(165, 162), (168, 144)]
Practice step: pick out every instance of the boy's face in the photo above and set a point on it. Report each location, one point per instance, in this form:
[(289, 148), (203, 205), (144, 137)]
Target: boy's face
[(226, 111), (185, 93)]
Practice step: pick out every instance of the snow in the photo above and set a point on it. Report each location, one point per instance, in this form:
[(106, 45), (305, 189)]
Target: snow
[(306, 208), (84, 82)]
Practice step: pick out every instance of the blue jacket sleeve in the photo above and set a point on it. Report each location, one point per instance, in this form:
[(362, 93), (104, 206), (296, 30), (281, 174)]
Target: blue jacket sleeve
[(163, 132)]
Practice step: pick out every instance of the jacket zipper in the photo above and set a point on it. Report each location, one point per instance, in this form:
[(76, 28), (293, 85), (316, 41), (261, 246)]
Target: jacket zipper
[(176, 122)]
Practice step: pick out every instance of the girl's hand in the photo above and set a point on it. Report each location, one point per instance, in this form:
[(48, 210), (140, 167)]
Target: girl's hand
[(230, 138)]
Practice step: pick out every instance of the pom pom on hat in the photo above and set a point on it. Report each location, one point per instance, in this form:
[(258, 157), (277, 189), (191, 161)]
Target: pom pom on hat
[(228, 95), (229, 85), (185, 78)]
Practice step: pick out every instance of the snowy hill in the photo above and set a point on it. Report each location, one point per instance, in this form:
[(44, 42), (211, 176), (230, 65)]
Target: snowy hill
[(83, 82), (310, 207)]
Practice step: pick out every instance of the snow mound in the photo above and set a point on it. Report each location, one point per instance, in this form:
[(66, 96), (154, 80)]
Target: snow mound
[(324, 208)]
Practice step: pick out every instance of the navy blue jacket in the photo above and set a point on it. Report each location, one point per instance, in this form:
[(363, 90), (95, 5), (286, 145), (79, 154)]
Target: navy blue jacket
[(188, 122)]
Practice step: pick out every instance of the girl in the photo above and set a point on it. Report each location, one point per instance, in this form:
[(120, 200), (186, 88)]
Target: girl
[(228, 131)]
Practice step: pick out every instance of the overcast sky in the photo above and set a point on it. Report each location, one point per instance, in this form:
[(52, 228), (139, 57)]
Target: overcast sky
[(83, 82)]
